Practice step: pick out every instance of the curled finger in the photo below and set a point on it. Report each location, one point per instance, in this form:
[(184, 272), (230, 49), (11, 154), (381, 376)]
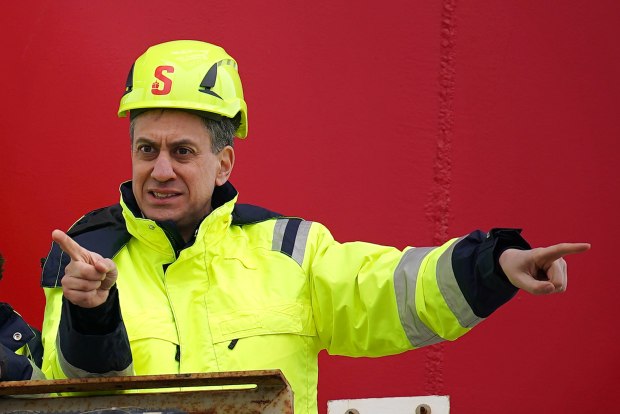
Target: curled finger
[(82, 270), (557, 275), (78, 284)]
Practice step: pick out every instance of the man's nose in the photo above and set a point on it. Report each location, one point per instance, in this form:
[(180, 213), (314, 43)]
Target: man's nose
[(163, 170)]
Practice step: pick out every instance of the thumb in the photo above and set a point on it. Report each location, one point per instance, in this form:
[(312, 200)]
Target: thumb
[(108, 268), (525, 282)]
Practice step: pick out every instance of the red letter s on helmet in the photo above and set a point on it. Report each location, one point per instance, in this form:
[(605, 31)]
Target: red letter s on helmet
[(167, 82)]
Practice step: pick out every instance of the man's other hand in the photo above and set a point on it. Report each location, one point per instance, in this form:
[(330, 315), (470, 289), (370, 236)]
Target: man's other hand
[(540, 271), (88, 277)]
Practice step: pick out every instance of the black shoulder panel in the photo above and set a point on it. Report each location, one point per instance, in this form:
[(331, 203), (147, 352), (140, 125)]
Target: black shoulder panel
[(249, 214), (102, 231)]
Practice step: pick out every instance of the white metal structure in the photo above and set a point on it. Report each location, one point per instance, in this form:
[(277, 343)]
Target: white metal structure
[(432, 404)]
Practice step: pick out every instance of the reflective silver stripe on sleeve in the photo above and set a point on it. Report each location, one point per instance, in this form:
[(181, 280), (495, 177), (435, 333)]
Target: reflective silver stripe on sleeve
[(278, 234), (405, 278), (300, 241), (451, 292), (36, 372), (75, 372)]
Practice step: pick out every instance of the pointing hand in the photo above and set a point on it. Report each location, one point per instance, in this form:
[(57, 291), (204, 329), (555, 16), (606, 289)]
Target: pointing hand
[(88, 277), (540, 271)]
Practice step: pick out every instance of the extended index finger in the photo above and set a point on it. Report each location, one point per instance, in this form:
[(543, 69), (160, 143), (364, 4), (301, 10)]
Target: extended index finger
[(557, 251), (68, 245)]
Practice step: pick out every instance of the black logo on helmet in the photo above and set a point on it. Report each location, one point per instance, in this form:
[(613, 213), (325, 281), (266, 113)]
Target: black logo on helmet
[(208, 82)]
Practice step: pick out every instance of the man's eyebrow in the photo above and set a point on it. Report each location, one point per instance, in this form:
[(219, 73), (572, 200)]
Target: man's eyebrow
[(172, 143), (183, 141), (142, 140)]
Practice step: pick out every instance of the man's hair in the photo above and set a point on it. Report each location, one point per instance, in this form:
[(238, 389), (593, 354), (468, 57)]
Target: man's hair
[(222, 132)]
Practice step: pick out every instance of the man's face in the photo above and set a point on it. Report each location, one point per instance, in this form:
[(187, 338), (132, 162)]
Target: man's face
[(174, 169)]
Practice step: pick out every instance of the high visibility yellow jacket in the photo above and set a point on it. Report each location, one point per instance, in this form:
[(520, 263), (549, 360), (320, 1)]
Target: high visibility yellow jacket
[(255, 290)]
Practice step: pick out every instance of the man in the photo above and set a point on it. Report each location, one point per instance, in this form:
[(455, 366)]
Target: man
[(178, 278), (20, 345)]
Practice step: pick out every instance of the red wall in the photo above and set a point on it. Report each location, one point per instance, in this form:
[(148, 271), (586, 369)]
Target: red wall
[(397, 122)]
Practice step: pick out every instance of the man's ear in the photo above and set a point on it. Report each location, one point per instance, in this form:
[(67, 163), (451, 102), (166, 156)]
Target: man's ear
[(227, 161)]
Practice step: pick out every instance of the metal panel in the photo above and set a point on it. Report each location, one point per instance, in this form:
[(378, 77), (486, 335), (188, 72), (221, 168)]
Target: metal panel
[(431, 404), (228, 392)]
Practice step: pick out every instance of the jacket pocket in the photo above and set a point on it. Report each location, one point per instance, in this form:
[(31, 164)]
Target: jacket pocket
[(154, 345), (294, 318)]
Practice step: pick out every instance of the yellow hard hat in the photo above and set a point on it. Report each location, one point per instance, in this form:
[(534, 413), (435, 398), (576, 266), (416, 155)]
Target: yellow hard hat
[(186, 74)]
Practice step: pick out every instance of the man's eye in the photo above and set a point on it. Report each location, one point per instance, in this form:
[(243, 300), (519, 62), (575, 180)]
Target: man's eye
[(145, 149), (184, 151)]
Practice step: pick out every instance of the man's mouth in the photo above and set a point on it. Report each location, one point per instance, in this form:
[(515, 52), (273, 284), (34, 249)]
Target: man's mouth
[(162, 196)]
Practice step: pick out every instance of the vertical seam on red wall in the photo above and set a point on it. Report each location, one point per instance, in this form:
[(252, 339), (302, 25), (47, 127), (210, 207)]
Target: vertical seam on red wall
[(438, 207)]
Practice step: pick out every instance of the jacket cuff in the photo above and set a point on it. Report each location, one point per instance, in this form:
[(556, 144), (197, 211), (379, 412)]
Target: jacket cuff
[(475, 261), (497, 241), (99, 320), (94, 341)]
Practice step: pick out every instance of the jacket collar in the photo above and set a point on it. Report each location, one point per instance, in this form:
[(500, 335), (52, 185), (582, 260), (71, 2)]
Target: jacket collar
[(163, 235)]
